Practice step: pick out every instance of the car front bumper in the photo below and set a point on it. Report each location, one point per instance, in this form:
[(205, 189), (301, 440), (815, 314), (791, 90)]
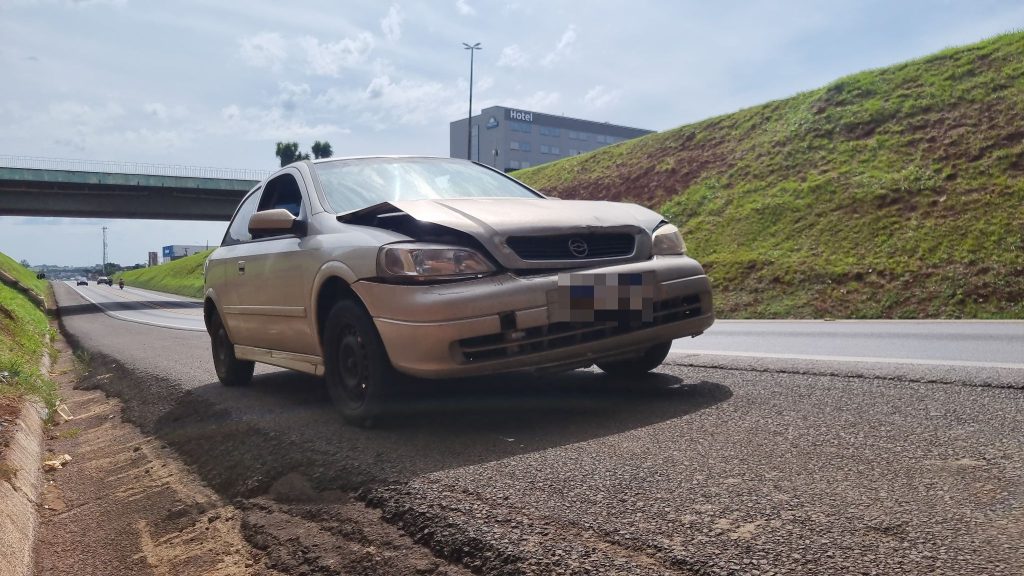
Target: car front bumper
[(502, 323)]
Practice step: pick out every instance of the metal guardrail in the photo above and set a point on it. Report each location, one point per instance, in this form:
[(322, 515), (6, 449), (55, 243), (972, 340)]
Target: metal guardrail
[(38, 163)]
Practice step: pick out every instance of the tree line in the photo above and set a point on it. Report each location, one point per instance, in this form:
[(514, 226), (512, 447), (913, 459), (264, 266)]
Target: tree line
[(289, 152)]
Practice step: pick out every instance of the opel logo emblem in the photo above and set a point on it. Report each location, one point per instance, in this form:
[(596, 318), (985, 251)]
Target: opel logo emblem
[(578, 247)]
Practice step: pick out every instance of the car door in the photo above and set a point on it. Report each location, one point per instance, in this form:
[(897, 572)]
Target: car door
[(221, 268), (273, 279)]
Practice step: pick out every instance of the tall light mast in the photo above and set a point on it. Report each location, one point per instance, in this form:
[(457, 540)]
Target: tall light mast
[(104, 271)]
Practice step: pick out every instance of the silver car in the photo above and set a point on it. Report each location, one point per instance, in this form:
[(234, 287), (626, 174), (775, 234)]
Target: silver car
[(364, 269)]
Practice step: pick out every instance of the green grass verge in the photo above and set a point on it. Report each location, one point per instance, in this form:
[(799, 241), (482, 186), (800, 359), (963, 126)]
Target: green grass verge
[(24, 276), (892, 193), (183, 276), (24, 339)]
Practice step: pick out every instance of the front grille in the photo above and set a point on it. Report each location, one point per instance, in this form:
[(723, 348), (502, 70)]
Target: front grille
[(512, 343), (558, 247)]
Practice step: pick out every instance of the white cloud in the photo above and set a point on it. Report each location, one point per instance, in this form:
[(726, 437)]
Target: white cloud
[(599, 97), (88, 3), (291, 94), (266, 50), (541, 100), (513, 57), (391, 24), (464, 8), (161, 111), (563, 48), (326, 59), (79, 114), (270, 124), (386, 102)]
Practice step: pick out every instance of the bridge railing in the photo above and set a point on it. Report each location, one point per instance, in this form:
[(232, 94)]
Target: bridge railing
[(39, 163)]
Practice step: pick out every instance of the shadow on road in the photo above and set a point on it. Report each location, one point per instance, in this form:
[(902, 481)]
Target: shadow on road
[(243, 440), (128, 305)]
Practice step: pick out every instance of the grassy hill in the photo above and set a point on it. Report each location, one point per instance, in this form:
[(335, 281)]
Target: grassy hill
[(24, 334), (896, 192), (24, 276), (183, 276)]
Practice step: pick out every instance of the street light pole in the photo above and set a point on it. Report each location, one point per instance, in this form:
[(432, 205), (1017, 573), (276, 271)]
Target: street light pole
[(104, 271), (469, 116)]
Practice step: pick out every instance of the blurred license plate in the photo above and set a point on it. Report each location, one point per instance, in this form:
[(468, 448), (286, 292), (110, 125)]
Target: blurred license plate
[(587, 297)]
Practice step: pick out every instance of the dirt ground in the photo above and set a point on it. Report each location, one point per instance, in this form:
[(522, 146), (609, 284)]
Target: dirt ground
[(126, 504)]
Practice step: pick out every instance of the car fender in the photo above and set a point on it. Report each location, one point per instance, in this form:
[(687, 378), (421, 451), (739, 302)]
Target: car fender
[(211, 296), (331, 269)]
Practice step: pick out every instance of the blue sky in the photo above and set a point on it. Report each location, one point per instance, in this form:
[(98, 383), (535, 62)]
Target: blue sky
[(217, 84)]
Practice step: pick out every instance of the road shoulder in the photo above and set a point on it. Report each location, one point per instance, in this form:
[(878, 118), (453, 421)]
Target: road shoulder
[(124, 504)]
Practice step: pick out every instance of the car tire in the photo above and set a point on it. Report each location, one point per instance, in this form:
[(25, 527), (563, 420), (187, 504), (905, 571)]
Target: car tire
[(639, 365), (230, 370), (359, 375)]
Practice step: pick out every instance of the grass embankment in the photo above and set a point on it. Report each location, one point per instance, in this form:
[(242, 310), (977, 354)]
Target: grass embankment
[(24, 338), (183, 276), (896, 192), (24, 276)]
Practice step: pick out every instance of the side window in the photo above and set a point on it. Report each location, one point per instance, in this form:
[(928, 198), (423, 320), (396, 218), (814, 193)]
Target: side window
[(238, 230), (282, 192)]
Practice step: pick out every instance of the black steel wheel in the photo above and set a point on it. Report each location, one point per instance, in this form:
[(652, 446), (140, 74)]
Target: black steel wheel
[(359, 374), (230, 370), (639, 365)]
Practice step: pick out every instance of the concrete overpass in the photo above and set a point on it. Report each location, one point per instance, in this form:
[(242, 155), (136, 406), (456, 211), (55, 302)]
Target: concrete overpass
[(89, 189)]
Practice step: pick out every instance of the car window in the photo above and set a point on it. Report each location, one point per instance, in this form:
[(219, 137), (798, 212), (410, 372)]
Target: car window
[(238, 230), (282, 192), (357, 183)]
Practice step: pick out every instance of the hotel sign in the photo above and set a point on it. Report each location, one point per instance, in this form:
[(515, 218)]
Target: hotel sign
[(520, 115)]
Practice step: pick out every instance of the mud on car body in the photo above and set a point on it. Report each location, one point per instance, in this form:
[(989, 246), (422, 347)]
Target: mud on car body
[(365, 269)]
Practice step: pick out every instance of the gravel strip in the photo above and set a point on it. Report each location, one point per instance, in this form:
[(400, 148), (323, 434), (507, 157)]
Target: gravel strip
[(793, 474)]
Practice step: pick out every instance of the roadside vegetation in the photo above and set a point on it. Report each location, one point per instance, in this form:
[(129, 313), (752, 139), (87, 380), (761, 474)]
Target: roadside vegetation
[(25, 336), (183, 276), (24, 276), (892, 193)]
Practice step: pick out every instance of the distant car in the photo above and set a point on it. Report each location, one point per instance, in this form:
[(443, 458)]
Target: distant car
[(104, 280), (82, 282)]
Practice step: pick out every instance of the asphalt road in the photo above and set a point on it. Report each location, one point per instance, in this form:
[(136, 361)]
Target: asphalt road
[(144, 306), (693, 470), (938, 342)]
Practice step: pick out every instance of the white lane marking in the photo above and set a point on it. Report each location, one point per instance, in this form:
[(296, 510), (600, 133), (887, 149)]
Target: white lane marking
[(113, 314), (870, 359)]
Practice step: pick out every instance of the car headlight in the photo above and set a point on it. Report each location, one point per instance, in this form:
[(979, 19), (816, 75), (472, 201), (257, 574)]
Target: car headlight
[(668, 241), (424, 262)]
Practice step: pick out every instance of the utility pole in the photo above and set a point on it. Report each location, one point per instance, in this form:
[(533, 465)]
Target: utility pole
[(469, 117), (104, 271)]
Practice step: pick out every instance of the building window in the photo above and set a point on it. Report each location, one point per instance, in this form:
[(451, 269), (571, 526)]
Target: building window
[(545, 149), (523, 127), (549, 131), (573, 152), (517, 145), (513, 164), (601, 139), (524, 164), (574, 135)]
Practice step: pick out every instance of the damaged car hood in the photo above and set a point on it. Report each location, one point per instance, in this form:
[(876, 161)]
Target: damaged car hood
[(491, 221)]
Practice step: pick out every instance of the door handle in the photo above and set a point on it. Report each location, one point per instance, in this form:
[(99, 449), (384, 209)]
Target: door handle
[(241, 266)]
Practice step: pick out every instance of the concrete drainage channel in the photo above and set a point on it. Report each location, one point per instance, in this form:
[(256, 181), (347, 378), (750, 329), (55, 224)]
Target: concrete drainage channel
[(20, 481)]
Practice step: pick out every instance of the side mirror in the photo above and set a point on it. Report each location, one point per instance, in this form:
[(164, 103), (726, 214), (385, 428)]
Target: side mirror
[(272, 222)]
